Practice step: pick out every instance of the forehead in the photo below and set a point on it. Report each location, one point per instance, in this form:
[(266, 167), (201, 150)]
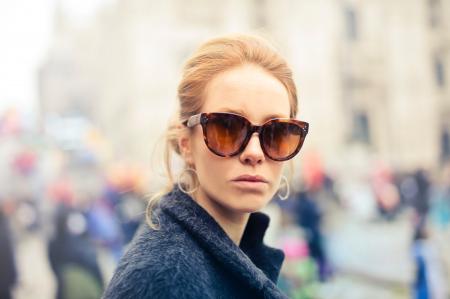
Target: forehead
[(248, 90)]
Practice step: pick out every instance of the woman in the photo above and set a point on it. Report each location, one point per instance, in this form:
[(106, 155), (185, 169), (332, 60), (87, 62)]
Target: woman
[(234, 131)]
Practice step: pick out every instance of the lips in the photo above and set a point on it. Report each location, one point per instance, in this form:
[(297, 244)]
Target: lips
[(250, 178)]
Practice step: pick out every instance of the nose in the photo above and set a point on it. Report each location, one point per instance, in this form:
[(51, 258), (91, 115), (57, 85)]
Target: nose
[(253, 153)]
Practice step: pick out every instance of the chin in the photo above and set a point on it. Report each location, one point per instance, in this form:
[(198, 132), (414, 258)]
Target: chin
[(249, 203)]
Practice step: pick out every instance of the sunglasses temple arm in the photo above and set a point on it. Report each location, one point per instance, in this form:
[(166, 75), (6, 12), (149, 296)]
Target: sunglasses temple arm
[(194, 120)]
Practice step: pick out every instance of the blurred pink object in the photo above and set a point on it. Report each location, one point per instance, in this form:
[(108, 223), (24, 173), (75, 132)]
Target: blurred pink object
[(295, 248), (25, 162), (313, 170), (10, 122)]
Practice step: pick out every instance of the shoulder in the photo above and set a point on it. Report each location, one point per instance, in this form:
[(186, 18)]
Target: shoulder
[(160, 264)]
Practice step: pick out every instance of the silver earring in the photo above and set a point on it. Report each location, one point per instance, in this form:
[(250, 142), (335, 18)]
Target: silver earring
[(285, 196), (180, 186)]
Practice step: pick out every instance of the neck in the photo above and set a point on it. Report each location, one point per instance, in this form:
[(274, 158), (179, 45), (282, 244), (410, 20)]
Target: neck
[(233, 223)]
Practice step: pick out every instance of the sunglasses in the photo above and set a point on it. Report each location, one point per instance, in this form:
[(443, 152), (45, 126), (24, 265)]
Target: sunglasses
[(227, 134)]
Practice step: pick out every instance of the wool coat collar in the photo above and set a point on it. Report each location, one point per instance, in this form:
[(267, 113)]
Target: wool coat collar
[(252, 262)]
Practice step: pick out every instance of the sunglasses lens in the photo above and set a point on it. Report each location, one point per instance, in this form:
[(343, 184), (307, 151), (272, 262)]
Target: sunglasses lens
[(281, 140), (225, 133)]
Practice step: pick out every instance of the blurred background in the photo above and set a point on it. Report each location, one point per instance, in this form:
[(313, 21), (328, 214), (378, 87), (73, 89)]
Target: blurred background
[(86, 91)]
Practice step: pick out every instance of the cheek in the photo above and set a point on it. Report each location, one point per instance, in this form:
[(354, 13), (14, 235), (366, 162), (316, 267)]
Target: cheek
[(276, 167), (198, 149), (276, 170), (205, 161), (212, 172)]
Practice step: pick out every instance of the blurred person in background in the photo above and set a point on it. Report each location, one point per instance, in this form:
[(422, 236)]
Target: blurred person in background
[(103, 224), (24, 176), (124, 194), (115, 215), (308, 211), (72, 255), (130, 212), (299, 274), (431, 281), (309, 217), (234, 131), (421, 197), (8, 270), (385, 191), (440, 200)]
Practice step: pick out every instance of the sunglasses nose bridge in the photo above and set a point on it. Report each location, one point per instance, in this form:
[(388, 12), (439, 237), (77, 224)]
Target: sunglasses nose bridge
[(255, 129), (251, 132), (251, 151)]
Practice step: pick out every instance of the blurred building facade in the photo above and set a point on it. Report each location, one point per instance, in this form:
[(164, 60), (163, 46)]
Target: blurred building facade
[(371, 75)]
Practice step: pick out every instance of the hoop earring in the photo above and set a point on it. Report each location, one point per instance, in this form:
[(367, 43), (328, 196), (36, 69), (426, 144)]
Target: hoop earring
[(288, 191), (180, 186)]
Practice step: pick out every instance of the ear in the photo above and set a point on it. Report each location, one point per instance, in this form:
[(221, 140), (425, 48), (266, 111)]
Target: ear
[(185, 146)]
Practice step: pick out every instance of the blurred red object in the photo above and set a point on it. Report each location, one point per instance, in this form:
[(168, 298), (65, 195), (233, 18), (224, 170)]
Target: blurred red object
[(25, 162), (125, 177), (61, 191)]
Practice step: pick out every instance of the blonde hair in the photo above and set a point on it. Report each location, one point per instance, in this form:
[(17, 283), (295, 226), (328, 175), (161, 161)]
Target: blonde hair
[(213, 57)]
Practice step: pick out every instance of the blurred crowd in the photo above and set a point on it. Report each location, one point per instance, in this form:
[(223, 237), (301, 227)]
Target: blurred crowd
[(380, 196), (82, 209), (69, 200)]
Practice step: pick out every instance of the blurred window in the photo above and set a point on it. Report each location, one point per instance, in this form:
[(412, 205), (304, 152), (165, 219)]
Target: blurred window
[(445, 145), (260, 13), (439, 71), (351, 23), (361, 130), (434, 8)]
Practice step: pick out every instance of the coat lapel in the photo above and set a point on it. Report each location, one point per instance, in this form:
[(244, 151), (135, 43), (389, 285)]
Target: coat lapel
[(254, 263)]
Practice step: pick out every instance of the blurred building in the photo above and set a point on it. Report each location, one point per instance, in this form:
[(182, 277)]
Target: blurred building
[(371, 74)]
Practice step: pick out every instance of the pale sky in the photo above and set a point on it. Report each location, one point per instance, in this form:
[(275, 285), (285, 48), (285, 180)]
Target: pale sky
[(25, 35)]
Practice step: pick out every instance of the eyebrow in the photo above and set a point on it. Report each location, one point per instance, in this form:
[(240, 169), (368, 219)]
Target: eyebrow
[(242, 112)]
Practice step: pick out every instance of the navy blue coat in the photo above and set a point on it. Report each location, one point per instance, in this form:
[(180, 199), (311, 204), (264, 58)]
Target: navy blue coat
[(191, 256)]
